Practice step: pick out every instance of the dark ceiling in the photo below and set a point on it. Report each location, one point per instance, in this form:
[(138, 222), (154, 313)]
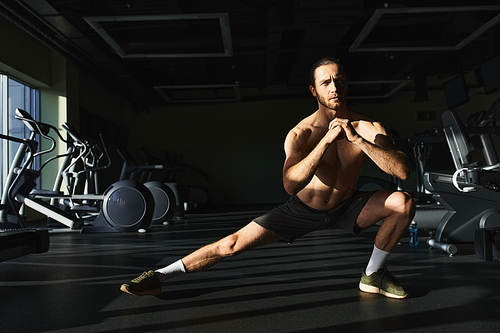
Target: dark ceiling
[(161, 52)]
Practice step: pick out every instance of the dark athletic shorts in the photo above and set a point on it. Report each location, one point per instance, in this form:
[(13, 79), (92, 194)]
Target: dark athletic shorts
[(294, 219)]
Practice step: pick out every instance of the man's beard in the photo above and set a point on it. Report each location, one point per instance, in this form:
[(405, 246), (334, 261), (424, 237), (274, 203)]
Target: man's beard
[(329, 104)]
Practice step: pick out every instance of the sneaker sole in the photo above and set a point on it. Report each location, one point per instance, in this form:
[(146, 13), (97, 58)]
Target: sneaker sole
[(152, 292), (374, 290)]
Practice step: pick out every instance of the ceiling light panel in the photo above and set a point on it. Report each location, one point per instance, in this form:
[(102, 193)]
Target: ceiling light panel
[(166, 36), (424, 28)]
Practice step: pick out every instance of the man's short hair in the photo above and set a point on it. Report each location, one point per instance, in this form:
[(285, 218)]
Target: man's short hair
[(323, 62)]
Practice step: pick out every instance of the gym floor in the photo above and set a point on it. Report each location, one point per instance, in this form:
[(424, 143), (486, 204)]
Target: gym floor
[(310, 286)]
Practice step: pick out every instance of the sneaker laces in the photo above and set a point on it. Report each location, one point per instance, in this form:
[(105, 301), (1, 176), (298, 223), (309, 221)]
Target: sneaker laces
[(389, 276), (141, 277), (147, 279)]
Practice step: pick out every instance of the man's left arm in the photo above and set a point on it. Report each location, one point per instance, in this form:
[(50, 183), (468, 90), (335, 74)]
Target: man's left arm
[(377, 145)]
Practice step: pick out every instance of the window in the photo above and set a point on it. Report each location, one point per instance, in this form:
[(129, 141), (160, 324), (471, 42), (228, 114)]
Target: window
[(14, 94)]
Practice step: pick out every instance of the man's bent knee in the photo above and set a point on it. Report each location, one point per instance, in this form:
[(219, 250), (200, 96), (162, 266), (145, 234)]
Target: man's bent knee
[(229, 246), (251, 236), (402, 203)]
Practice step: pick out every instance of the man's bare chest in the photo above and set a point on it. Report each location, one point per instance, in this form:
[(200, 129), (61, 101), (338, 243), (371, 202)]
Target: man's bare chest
[(340, 152)]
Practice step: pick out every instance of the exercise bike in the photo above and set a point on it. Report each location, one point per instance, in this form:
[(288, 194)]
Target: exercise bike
[(472, 193)]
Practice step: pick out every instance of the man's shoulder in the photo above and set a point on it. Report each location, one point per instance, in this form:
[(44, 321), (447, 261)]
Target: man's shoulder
[(301, 132)]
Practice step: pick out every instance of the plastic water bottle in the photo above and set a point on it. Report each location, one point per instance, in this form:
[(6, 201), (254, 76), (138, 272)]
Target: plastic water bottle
[(413, 234)]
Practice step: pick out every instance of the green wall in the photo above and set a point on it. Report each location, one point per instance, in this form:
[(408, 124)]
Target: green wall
[(238, 145)]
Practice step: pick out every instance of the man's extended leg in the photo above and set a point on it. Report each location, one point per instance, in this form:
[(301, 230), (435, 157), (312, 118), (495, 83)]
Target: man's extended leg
[(250, 236), (397, 210)]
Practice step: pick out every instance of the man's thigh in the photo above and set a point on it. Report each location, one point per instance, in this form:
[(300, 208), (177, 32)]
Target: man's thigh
[(253, 235), (376, 209)]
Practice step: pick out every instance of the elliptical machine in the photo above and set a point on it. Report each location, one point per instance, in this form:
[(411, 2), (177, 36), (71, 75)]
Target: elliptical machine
[(81, 150), (126, 206), (15, 239), (22, 178)]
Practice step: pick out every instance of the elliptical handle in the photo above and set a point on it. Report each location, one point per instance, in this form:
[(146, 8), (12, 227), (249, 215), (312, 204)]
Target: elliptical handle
[(73, 133), (26, 118), (97, 168)]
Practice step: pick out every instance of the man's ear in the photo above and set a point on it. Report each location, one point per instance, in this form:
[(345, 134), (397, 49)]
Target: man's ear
[(313, 91)]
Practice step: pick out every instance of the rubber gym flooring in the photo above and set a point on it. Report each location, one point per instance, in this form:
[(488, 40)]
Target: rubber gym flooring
[(310, 286)]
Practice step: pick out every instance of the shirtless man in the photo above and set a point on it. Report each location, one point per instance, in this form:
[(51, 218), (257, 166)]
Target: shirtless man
[(325, 153)]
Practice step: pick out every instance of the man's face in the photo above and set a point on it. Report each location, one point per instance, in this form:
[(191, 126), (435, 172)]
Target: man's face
[(330, 86)]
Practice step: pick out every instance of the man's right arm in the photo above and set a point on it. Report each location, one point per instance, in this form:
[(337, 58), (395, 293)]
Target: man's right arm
[(299, 170)]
